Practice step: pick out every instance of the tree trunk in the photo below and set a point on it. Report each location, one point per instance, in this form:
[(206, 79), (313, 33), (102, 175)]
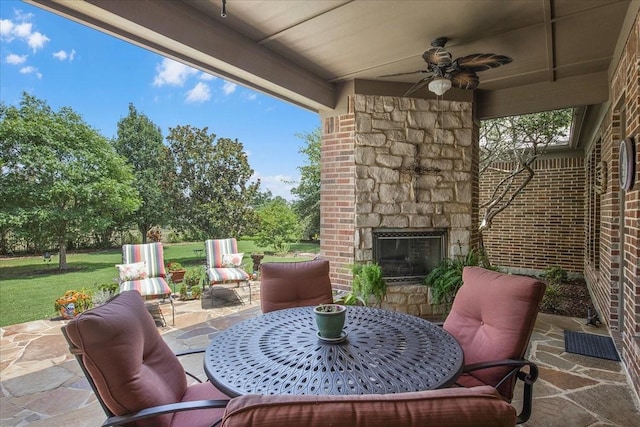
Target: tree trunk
[(482, 251), (62, 254), (143, 228)]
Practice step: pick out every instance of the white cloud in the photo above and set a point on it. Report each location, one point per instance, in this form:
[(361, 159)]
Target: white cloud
[(207, 77), (31, 70), (200, 93), (37, 41), (14, 59), (228, 88), (170, 72), (276, 184), (63, 56), (23, 30), (251, 96), (6, 29)]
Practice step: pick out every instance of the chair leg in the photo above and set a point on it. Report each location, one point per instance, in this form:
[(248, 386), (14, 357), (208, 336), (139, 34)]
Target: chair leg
[(527, 398), (173, 311)]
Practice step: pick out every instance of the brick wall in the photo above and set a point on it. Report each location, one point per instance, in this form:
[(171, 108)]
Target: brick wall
[(544, 226), (337, 203), (615, 280)]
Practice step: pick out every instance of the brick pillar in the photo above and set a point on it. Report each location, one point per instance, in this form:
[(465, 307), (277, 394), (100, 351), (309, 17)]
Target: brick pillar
[(337, 196)]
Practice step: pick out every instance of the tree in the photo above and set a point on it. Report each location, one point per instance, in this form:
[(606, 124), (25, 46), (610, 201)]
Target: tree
[(59, 177), (516, 141), (261, 199), (213, 191), (279, 225), (140, 142), (307, 204)]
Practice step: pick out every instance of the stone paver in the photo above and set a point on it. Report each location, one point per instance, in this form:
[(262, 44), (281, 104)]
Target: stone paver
[(42, 385)]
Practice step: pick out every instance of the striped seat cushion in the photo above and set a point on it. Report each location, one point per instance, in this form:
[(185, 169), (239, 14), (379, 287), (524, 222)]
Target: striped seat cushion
[(150, 286), (221, 275)]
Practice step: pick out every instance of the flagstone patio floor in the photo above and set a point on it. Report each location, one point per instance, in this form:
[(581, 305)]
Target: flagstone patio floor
[(42, 385)]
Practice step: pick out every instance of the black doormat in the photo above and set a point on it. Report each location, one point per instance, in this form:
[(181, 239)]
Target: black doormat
[(590, 345)]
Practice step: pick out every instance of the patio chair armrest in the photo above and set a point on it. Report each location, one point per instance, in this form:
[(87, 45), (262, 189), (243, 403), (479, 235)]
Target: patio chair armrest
[(516, 364), (528, 378), (166, 409), (187, 353)]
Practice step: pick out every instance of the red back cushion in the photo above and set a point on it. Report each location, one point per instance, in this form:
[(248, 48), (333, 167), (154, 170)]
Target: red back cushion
[(294, 284), (474, 407), (492, 318), (129, 362)]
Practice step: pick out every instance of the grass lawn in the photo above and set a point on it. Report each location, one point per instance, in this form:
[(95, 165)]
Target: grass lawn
[(29, 286)]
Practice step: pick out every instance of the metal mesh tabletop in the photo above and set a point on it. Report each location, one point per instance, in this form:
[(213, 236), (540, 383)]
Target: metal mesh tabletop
[(384, 352)]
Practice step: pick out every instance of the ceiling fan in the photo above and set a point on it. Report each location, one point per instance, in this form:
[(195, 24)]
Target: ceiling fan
[(445, 72)]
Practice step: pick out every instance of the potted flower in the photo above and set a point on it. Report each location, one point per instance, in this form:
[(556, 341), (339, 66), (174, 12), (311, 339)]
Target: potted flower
[(73, 303), (330, 320), (177, 271)]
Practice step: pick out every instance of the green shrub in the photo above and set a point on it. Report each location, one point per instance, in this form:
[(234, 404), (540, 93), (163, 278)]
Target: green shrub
[(555, 275), (446, 278), (194, 276), (367, 283), (552, 297), (111, 288), (173, 237)]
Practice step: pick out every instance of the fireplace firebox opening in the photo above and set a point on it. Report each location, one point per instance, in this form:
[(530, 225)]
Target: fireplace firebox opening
[(408, 256)]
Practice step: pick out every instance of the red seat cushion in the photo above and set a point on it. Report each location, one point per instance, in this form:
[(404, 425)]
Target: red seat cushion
[(475, 407)]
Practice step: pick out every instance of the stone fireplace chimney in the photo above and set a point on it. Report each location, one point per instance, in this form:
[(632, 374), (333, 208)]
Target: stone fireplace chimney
[(397, 164)]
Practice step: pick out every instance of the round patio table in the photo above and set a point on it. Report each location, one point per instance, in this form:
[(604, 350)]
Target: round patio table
[(384, 352)]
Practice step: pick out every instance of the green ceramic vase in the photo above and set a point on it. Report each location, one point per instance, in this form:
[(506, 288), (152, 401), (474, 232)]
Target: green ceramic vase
[(330, 320)]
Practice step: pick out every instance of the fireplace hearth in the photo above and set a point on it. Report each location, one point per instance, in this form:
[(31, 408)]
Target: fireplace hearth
[(407, 256)]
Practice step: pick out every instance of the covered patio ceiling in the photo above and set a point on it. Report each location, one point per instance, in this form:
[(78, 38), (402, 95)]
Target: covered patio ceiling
[(311, 52)]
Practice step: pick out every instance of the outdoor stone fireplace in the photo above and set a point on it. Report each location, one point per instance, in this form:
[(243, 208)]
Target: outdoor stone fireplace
[(399, 165), (407, 256)]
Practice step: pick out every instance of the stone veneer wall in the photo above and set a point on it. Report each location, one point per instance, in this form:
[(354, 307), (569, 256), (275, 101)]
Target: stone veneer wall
[(383, 145)]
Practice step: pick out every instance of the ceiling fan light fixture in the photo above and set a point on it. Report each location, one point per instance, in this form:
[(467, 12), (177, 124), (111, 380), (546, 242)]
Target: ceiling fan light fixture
[(439, 85)]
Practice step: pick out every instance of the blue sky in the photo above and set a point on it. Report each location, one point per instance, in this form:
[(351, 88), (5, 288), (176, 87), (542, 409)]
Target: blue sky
[(67, 64)]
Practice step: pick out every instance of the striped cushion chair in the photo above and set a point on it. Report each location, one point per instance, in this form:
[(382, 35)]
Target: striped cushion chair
[(224, 263), (143, 270)]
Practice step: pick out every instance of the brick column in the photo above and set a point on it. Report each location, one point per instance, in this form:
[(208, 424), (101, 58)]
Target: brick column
[(337, 196)]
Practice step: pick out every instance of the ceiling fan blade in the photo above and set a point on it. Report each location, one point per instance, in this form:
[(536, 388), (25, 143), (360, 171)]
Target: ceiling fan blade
[(480, 61), (410, 72), (437, 56), (416, 87), (463, 79), (439, 42)]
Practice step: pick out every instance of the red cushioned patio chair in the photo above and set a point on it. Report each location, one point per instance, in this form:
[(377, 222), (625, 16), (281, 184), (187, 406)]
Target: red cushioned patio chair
[(492, 317), (134, 374), (294, 284)]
